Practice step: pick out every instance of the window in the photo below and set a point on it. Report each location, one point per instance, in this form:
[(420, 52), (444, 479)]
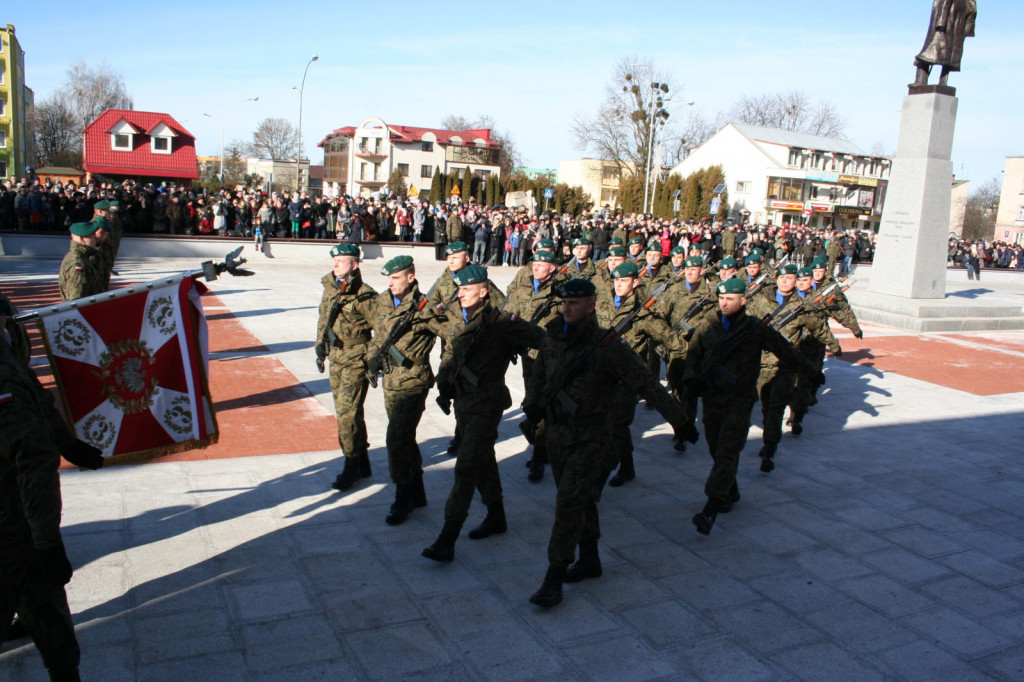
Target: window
[(362, 171), (785, 189), (1020, 209), (426, 146), (3, 169), (161, 145), (403, 168), (426, 171), (816, 160), (376, 171), (2, 66), (3, 107), (743, 187), (121, 141), (3, 139), (795, 157)]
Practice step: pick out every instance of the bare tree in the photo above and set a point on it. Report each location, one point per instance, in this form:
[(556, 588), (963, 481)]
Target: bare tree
[(508, 156), (620, 130), (982, 207), (696, 129), (93, 90), (275, 138), (55, 131), (789, 111)]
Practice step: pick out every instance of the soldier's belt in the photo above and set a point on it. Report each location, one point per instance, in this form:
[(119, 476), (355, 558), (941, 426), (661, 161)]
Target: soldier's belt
[(349, 341)]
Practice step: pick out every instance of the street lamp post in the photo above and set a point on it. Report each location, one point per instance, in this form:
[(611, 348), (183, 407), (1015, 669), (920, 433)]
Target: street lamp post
[(223, 126), (298, 155)]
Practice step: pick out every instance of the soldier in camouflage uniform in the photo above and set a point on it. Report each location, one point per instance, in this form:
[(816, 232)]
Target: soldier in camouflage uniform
[(581, 265), (343, 335), (405, 364), (576, 409), (776, 384), (444, 290), (34, 567), (603, 279), (635, 250), (109, 236), (481, 341), (727, 269), (723, 361), (81, 271), (651, 274), (644, 331), (535, 301)]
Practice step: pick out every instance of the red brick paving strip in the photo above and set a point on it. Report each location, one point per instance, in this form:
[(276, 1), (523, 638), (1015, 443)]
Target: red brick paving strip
[(262, 409)]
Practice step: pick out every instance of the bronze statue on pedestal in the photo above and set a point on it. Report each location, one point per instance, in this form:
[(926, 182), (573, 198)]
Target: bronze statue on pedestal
[(952, 21)]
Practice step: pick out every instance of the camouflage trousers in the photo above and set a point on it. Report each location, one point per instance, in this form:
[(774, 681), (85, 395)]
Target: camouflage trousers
[(578, 464), (776, 388), (349, 385), (41, 607), (475, 466), (726, 422), (404, 409), (623, 412), (805, 388)]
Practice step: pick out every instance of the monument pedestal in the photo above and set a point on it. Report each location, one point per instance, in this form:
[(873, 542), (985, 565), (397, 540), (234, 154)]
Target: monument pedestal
[(910, 258), (952, 314)]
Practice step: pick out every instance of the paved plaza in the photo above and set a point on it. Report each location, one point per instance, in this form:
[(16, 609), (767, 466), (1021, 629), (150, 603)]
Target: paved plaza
[(888, 544)]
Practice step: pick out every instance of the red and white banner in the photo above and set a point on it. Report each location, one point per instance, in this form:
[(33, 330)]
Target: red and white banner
[(132, 369)]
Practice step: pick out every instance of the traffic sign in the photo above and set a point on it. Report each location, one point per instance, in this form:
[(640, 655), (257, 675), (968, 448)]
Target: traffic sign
[(715, 203), (549, 193)]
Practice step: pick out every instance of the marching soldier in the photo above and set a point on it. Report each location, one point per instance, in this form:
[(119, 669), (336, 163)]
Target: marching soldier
[(603, 279), (573, 389), (445, 289), (343, 335), (723, 361), (81, 271), (481, 341), (685, 306), (580, 265), (400, 349)]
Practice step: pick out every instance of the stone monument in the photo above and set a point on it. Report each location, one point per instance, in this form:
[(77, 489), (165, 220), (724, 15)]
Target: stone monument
[(910, 261)]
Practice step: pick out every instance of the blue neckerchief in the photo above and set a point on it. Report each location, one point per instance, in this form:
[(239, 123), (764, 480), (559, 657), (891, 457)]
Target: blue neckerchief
[(814, 285), (565, 328), (397, 300), (689, 287), (779, 297), (578, 268), (618, 300), (726, 323), (802, 294), (536, 285), (465, 315)]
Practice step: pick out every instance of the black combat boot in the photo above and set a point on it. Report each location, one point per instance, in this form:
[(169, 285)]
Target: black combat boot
[(402, 506), (625, 474), (536, 464), (349, 475), (443, 548), (364, 465), (550, 592), (587, 566), (767, 455), (796, 424), (419, 495), (492, 524), (730, 500), (706, 518), (453, 445)]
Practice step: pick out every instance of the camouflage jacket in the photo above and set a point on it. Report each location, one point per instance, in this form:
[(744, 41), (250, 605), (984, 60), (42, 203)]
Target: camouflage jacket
[(678, 299), (350, 332), (81, 273), (572, 270), (444, 291), (809, 323), (537, 308), (838, 306), (647, 328), (414, 345), (584, 398)]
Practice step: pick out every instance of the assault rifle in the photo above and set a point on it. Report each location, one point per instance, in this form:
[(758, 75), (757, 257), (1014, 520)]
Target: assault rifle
[(759, 282), (328, 337), (445, 390), (822, 295), (389, 355), (564, 270)]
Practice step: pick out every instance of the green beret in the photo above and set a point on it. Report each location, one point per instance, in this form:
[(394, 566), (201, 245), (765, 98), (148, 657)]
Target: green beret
[(787, 269), (84, 229), (758, 250), (627, 269), (102, 223), (636, 240), (471, 274), (819, 263), (455, 247), (396, 264), (114, 204), (694, 262), (546, 244), (544, 256), (653, 247), (805, 272), (576, 288), (678, 251), (583, 241), (101, 205), (617, 251), (728, 263), (753, 258), (345, 249), (733, 285), (615, 241)]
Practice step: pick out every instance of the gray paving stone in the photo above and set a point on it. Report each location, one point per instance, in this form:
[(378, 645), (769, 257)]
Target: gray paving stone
[(743, 561), (268, 600), (345, 569), (396, 652), (904, 565), (925, 662), (709, 589), (659, 559), (956, 632), (870, 518), (797, 592), (826, 661), (972, 597), (721, 659), (343, 669), (925, 542), (996, 545), (226, 667), (886, 595), (292, 641), (861, 629), (765, 627), (622, 586), (830, 564), (667, 623), (975, 564), (1005, 665), (460, 615), (576, 618), (936, 520), (518, 654), (628, 656), (188, 634)]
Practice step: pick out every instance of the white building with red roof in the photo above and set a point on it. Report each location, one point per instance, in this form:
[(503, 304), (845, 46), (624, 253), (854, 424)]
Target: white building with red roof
[(144, 146), (359, 159)]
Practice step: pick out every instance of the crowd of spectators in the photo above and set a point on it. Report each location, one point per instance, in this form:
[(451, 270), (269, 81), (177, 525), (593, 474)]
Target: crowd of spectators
[(977, 255)]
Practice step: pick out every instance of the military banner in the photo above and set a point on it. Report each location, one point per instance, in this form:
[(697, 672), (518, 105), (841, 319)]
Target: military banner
[(131, 368)]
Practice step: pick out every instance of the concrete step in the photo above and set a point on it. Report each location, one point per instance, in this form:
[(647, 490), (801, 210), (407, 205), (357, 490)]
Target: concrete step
[(939, 324)]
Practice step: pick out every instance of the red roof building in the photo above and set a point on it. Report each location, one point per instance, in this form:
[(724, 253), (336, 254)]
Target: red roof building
[(145, 146)]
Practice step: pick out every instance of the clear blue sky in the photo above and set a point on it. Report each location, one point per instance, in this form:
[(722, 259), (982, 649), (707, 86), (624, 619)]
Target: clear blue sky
[(531, 68)]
